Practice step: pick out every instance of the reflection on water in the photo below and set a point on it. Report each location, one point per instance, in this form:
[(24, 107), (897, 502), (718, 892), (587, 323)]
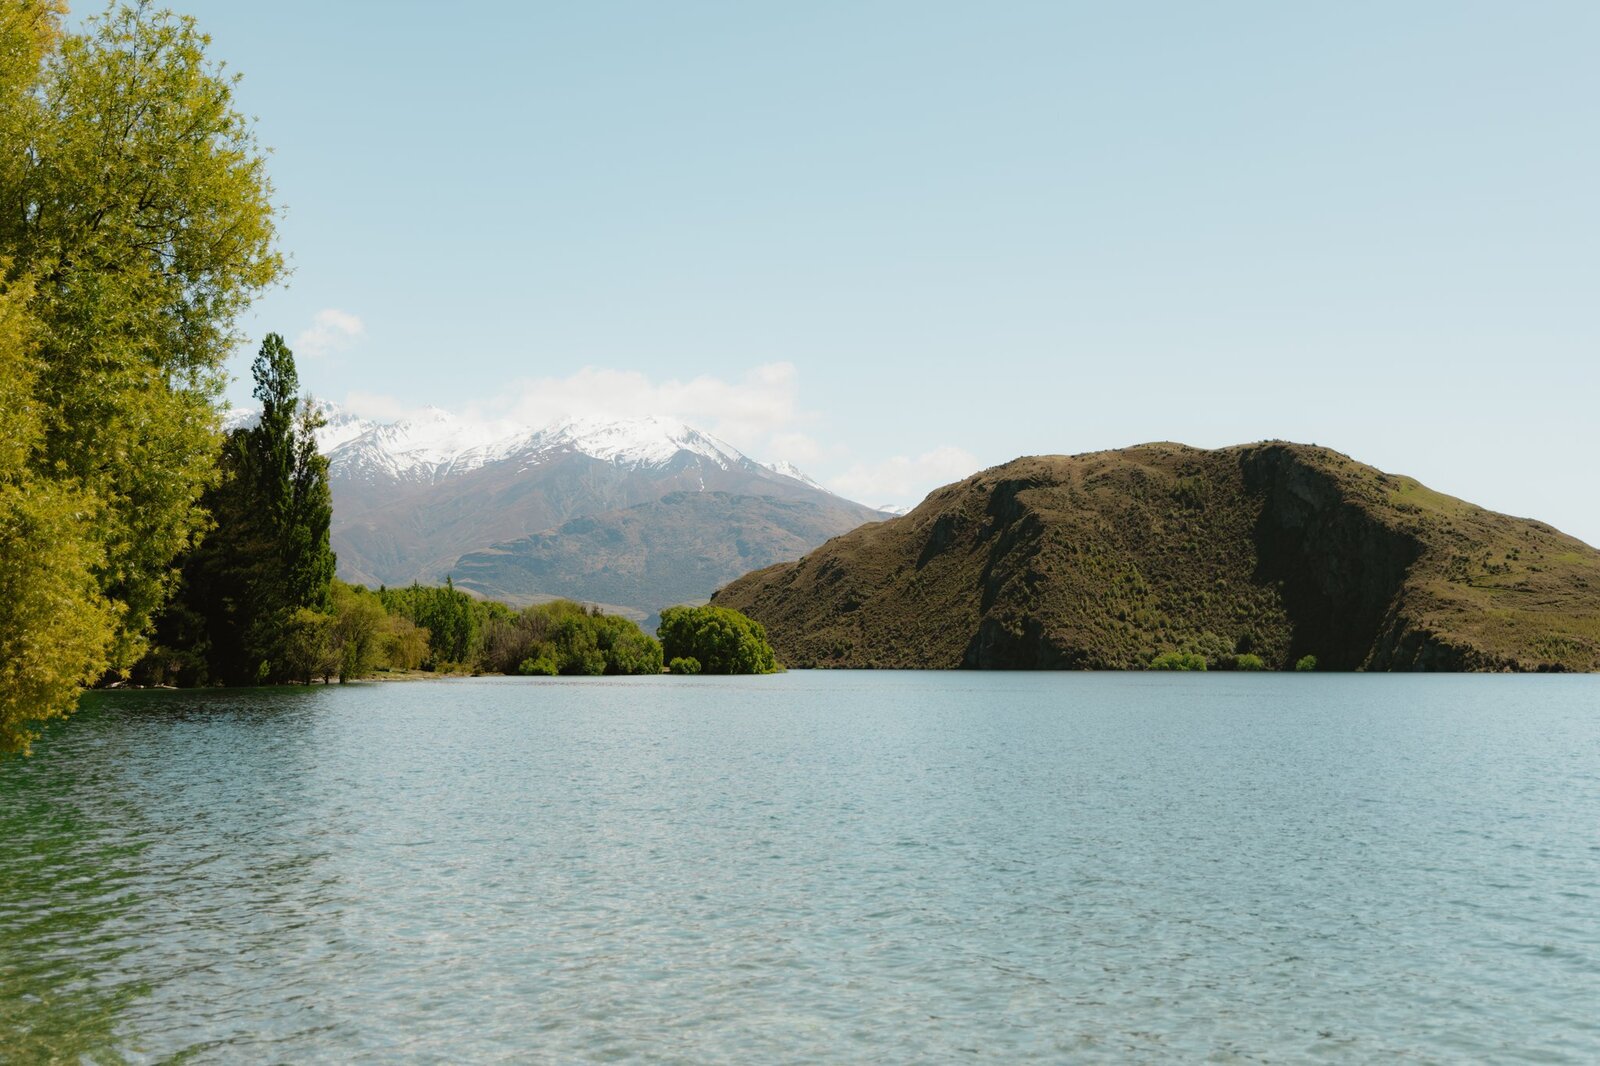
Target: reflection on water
[(836, 866), (64, 895)]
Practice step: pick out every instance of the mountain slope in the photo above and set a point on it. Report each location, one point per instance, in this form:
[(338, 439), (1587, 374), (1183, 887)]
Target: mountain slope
[(672, 550), (1103, 560), (411, 498)]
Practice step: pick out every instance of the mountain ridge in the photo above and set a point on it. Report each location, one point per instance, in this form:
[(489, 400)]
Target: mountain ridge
[(431, 496), (435, 442)]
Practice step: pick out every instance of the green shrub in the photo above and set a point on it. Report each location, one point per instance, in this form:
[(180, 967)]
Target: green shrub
[(570, 639), (684, 664), (724, 641), (1249, 662), (1178, 660), (632, 651), (1306, 664), (544, 666)]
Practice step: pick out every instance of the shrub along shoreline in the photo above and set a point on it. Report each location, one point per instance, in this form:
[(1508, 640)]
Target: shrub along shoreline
[(422, 632)]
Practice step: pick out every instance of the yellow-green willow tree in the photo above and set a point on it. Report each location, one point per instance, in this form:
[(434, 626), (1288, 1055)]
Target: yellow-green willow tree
[(136, 224), (55, 625)]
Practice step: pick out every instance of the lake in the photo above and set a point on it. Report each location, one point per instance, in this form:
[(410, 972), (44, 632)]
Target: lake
[(811, 866)]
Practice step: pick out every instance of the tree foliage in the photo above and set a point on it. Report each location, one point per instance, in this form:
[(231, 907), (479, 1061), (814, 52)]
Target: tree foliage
[(1178, 660), (136, 224), (55, 625), (360, 630), (288, 478), (267, 557), (142, 211), (453, 619), (722, 640), (308, 647), (563, 637), (405, 644)]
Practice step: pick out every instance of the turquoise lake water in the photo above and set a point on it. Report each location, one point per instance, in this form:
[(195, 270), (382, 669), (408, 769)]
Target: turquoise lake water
[(832, 867)]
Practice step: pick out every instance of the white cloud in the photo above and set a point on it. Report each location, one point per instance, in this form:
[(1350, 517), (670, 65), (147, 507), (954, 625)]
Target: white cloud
[(331, 331), (902, 480), (751, 412), (757, 412), (801, 448), (377, 406)]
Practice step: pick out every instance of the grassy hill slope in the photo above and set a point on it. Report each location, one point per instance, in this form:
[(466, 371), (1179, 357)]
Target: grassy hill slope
[(1104, 560)]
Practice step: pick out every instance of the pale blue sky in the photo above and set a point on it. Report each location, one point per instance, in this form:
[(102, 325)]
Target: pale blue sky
[(956, 233)]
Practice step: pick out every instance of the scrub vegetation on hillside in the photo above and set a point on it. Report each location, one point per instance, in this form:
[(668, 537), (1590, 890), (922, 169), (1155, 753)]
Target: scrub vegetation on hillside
[(1289, 555)]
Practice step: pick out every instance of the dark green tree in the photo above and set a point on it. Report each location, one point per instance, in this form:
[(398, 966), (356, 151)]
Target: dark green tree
[(289, 477), (266, 559)]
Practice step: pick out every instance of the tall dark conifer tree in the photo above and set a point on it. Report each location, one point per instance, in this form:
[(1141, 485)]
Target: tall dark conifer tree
[(291, 478), (267, 556)]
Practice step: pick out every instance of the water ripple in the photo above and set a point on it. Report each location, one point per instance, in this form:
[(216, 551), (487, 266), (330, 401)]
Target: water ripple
[(812, 867)]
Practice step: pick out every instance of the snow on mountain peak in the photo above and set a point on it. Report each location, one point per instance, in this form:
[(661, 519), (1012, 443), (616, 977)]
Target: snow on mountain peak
[(650, 441), (339, 426), (434, 443), (789, 470)]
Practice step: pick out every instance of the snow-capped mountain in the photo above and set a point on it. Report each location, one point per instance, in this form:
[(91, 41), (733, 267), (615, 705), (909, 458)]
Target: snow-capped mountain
[(339, 427), (634, 512), (790, 470), (432, 445), (634, 442), (414, 497), (435, 444)]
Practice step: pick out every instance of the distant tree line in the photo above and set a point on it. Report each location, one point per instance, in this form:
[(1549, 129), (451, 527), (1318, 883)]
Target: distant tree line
[(257, 602), (565, 638), (1245, 661)]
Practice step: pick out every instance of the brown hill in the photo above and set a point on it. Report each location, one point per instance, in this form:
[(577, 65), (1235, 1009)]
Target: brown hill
[(1104, 560)]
